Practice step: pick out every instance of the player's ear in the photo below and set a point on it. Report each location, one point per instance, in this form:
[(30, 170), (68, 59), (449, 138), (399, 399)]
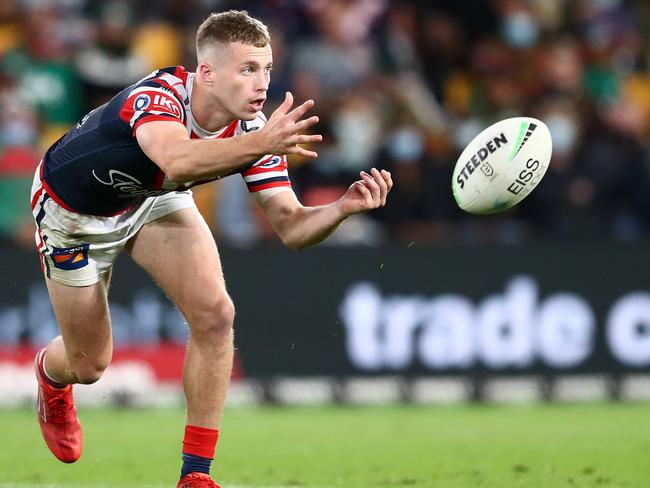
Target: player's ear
[(205, 72)]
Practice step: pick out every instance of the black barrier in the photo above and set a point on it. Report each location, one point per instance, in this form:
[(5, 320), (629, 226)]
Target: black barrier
[(339, 312)]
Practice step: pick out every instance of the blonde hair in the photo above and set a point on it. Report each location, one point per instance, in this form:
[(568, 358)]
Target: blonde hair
[(231, 26)]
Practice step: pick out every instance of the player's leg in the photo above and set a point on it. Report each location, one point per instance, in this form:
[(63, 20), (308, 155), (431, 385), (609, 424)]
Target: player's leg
[(77, 275), (179, 252), (77, 253), (84, 349), (79, 355)]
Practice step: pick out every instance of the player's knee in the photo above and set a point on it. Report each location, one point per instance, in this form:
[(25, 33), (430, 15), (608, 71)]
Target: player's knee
[(89, 372), (214, 320), (88, 376)]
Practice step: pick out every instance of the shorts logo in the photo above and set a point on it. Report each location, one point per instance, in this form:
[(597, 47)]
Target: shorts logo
[(142, 102), (69, 258)]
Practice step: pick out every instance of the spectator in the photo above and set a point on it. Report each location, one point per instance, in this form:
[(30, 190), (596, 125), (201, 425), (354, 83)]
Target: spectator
[(406, 82)]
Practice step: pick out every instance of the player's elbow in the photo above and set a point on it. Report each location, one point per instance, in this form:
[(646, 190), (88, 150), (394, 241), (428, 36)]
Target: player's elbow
[(169, 146), (176, 168), (176, 173), (294, 243), (287, 223), (177, 162)]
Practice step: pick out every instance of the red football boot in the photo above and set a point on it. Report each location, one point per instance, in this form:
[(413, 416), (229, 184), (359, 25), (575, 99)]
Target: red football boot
[(197, 480), (58, 417)]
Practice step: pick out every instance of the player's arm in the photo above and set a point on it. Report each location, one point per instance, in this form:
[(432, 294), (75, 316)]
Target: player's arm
[(183, 159), (300, 227)]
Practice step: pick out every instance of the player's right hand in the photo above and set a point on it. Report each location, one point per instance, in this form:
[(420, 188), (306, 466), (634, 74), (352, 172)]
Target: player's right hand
[(282, 133)]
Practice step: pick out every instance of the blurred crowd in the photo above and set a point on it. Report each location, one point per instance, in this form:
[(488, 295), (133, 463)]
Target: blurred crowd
[(402, 85)]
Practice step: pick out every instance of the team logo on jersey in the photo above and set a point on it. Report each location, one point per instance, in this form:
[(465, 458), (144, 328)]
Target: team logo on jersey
[(128, 186), (142, 102), (69, 258)]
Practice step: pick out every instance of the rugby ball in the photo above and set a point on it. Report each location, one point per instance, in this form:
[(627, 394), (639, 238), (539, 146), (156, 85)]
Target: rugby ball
[(502, 165)]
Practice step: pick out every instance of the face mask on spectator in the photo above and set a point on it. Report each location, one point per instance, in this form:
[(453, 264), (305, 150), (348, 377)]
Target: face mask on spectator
[(519, 29), (563, 132), (17, 133), (406, 145)]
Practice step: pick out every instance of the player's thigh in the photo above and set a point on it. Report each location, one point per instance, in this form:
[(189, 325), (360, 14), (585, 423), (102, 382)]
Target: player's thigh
[(83, 318), (179, 252)]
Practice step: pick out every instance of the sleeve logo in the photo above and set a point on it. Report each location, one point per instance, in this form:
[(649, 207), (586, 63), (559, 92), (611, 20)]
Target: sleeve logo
[(142, 102), (271, 163), (167, 104)]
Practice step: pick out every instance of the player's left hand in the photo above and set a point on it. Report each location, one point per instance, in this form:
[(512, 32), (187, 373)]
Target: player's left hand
[(368, 193)]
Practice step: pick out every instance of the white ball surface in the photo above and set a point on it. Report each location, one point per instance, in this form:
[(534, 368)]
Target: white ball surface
[(502, 165)]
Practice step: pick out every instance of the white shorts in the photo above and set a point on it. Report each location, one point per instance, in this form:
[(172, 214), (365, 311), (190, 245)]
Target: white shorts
[(78, 249)]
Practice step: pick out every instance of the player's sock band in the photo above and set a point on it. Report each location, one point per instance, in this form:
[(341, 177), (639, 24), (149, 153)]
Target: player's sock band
[(198, 449), (195, 464), (47, 377), (200, 441)]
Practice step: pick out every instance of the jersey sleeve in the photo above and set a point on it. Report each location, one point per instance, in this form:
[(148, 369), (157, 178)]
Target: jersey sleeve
[(268, 175), (150, 102)]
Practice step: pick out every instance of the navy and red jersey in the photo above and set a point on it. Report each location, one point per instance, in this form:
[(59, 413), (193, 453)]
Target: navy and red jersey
[(98, 168)]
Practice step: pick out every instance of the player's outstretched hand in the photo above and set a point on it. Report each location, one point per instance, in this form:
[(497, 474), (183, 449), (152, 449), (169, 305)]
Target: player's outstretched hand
[(367, 193), (282, 132)]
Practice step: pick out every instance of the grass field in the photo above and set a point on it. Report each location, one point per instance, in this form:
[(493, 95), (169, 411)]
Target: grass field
[(413, 447)]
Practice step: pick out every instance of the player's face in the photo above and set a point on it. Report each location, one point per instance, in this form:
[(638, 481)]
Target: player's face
[(242, 79)]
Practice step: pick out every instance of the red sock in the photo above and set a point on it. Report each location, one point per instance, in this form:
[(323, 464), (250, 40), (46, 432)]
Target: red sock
[(200, 441)]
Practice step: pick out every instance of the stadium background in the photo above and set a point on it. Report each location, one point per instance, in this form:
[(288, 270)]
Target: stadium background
[(415, 302)]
